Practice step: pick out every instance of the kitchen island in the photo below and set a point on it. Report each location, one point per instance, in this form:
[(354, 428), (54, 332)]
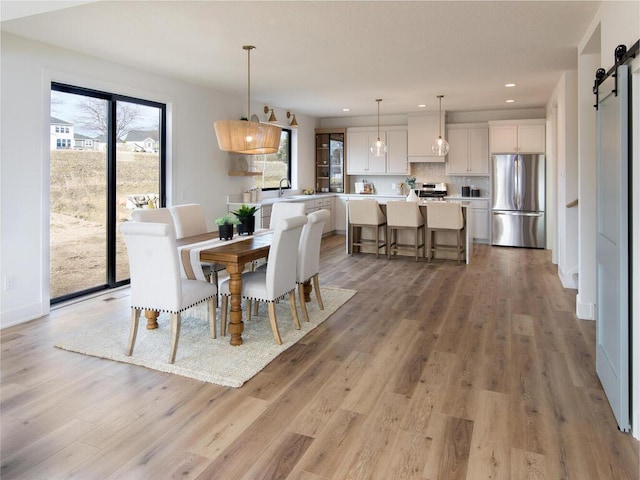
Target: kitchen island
[(442, 238)]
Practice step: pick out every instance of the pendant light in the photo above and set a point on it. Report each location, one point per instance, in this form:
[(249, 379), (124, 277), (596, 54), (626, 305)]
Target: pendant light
[(440, 146), (245, 136), (378, 148)]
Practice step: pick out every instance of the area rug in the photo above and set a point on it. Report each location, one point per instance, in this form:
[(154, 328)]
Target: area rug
[(199, 356)]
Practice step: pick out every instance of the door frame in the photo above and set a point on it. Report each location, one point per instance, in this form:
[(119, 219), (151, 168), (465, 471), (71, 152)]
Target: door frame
[(111, 177)]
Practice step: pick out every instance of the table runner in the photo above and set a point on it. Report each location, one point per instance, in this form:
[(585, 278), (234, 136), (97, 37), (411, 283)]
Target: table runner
[(190, 254)]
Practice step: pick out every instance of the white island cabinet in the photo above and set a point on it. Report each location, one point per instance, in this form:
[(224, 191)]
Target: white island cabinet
[(446, 238), (517, 136)]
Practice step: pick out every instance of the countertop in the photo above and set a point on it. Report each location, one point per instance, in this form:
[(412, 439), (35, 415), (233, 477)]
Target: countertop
[(315, 196)]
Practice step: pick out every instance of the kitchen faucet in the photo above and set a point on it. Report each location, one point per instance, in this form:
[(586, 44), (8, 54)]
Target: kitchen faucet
[(280, 187)]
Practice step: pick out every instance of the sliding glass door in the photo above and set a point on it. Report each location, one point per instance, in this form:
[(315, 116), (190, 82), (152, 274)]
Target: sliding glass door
[(107, 158)]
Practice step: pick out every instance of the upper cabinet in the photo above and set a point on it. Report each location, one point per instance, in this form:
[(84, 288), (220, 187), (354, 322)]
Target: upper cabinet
[(517, 136), (360, 161), (422, 130), (468, 149)]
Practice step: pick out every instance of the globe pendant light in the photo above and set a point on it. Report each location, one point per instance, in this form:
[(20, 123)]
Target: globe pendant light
[(378, 148), (245, 136), (440, 146)]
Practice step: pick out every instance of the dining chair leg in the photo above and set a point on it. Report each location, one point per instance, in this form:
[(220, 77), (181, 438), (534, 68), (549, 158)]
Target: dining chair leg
[(294, 310), (175, 334), (211, 309), (274, 322), (316, 287), (248, 308), (378, 242), (135, 317), (303, 304), (256, 304), (224, 300)]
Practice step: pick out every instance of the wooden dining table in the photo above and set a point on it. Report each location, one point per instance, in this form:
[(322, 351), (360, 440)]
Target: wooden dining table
[(234, 256)]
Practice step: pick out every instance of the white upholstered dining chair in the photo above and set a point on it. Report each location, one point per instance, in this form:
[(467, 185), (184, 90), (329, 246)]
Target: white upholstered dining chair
[(277, 280), (156, 283), (153, 215), (189, 220), (309, 257), (281, 210)]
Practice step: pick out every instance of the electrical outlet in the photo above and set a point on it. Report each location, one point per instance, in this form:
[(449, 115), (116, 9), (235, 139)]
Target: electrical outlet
[(9, 283)]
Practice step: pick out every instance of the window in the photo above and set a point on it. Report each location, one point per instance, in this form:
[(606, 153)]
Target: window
[(274, 166)]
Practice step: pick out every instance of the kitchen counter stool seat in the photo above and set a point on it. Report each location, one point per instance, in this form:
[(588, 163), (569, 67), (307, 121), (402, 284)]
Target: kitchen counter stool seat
[(366, 214), (445, 216), (403, 215)]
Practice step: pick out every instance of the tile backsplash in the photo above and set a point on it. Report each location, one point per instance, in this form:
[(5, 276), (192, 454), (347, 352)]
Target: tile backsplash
[(425, 173), (435, 172)]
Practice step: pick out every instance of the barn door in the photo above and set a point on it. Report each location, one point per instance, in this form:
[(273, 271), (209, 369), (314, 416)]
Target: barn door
[(612, 244)]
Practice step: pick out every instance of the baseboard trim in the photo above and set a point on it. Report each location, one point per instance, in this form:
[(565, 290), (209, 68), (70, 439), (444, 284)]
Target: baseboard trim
[(21, 315), (567, 278), (585, 311)]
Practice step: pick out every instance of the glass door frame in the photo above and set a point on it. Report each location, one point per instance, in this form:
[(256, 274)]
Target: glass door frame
[(111, 191)]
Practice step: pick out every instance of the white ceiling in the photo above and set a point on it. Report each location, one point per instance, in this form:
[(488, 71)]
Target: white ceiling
[(317, 57)]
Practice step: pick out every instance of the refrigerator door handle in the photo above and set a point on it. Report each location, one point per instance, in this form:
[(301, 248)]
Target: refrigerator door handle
[(519, 214), (518, 185)]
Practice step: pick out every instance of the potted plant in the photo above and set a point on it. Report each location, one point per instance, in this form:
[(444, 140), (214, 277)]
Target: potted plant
[(245, 215), (225, 226)]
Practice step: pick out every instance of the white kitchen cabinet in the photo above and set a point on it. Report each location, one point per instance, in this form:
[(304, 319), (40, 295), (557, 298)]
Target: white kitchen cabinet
[(340, 214), (360, 161), (359, 158), (326, 204), (518, 136), (480, 212), (422, 130), (397, 152), (468, 149), (310, 205)]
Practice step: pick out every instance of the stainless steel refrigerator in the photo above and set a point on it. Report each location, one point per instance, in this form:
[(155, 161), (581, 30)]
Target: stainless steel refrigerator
[(518, 186)]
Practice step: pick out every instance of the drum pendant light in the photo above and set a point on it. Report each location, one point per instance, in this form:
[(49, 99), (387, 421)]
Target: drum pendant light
[(378, 148), (245, 136), (440, 146)]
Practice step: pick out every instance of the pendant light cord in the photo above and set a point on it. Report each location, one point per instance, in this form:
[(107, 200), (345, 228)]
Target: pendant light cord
[(248, 48), (378, 100), (440, 117)]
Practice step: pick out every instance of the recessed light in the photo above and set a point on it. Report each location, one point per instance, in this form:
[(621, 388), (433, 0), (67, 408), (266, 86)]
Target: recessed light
[(511, 101), (346, 110), (509, 85), (422, 105)]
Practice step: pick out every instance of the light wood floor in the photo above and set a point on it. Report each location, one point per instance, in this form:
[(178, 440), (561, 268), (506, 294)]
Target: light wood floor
[(432, 371)]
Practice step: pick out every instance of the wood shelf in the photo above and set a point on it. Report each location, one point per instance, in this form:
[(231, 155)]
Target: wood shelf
[(243, 174)]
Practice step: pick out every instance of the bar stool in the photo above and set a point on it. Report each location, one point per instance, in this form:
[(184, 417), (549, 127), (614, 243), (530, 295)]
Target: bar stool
[(404, 215), (443, 217), (366, 214)]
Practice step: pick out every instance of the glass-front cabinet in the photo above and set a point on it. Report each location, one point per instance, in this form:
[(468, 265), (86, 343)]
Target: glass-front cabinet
[(330, 160)]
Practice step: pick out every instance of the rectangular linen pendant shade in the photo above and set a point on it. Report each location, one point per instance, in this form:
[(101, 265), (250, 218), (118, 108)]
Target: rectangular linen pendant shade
[(251, 138)]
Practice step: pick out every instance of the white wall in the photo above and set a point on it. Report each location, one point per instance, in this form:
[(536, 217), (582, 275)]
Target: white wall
[(197, 168), (562, 110)]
